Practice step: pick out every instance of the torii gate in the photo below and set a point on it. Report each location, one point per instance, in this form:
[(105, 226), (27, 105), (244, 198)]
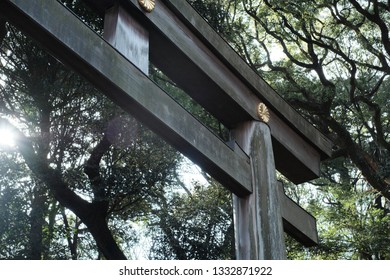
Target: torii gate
[(266, 133)]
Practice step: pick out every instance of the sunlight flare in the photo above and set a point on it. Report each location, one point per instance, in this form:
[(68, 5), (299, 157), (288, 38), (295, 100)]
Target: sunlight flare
[(7, 137)]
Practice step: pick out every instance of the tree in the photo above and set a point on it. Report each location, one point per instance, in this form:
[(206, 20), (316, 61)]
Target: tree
[(81, 153), (353, 221), (329, 59), (194, 225), (13, 219), (80, 150), (334, 72)]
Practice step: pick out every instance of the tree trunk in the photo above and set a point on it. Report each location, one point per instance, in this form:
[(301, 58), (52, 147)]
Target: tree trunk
[(97, 225), (93, 215), (360, 158), (3, 30), (37, 221)]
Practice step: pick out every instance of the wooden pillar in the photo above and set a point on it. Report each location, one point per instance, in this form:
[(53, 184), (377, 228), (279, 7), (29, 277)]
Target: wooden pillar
[(128, 36), (258, 218)]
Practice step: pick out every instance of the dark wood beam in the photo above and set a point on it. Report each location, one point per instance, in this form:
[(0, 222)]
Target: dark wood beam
[(297, 222), (248, 76), (73, 43)]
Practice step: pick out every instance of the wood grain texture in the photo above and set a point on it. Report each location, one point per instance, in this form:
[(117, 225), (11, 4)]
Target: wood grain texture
[(128, 36), (258, 222)]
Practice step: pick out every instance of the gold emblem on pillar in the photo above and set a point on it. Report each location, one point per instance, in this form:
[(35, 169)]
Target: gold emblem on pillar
[(147, 5), (263, 113)]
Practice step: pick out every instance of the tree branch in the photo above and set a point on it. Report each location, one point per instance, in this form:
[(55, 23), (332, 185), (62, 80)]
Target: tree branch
[(93, 215), (360, 158), (375, 18), (92, 168), (3, 30)]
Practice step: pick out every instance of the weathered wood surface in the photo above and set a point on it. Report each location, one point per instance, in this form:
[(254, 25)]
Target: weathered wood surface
[(128, 36), (192, 54), (258, 222), (73, 43)]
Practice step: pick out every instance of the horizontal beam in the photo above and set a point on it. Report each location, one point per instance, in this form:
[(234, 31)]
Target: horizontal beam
[(73, 43), (296, 221), (248, 76), (196, 58)]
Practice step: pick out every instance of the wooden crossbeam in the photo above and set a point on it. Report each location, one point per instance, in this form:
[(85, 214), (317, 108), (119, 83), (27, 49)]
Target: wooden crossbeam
[(297, 222)]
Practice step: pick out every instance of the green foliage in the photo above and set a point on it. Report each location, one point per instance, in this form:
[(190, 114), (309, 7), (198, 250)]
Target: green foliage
[(64, 119), (353, 221), (196, 225), (14, 218)]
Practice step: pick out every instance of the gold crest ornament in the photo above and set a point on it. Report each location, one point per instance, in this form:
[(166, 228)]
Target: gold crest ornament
[(263, 113), (147, 5)]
